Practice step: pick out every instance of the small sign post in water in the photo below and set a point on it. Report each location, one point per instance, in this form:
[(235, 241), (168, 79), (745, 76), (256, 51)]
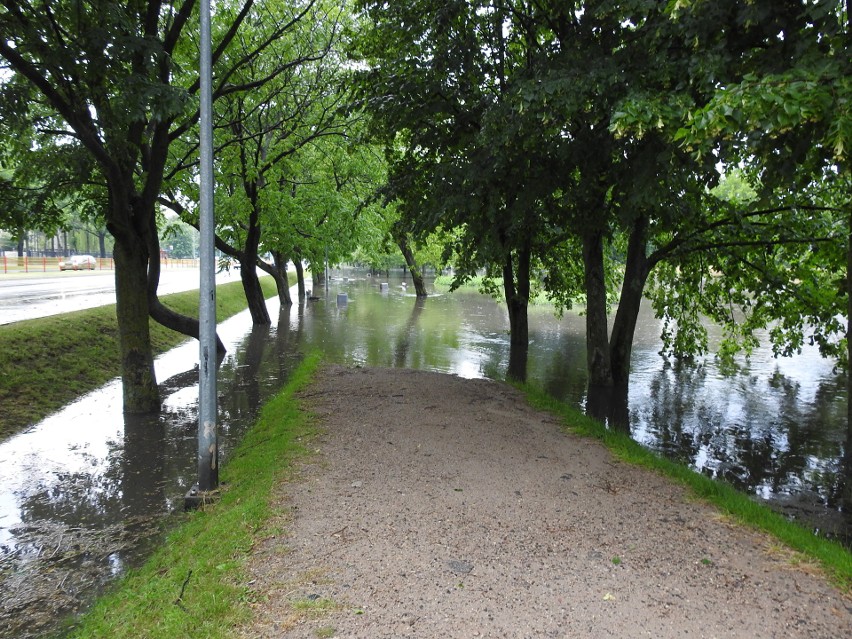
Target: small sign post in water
[(208, 446)]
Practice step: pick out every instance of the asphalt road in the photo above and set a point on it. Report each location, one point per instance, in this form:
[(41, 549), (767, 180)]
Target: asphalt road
[(28, 296)]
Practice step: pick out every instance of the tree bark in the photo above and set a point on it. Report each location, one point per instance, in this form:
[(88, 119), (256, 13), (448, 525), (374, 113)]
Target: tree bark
[(254, 294), (139, 383), (300, 277), (278, 271), (516, 288), (318, 279), (636, 273), (248, 269), (597, 338), (162, 314), (416, 275)]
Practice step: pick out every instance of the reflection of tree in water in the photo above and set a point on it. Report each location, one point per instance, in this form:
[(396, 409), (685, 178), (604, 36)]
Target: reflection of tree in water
[(608, 404), (761, 437), (672, 391), (563, 367), (406, 332), (288, 339), (133, 481), (77, 532), (241, 373), (89, 524)]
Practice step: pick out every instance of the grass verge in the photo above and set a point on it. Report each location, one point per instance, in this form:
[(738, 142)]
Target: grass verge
[(194, 586), (835, 560), (50, 361)]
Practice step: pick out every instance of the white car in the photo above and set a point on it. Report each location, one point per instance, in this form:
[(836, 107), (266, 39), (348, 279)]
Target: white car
[(78, 263)]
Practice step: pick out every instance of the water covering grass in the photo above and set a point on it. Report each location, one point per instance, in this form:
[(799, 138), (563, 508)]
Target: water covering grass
[(194, 586), (832, 556), (46, 363)]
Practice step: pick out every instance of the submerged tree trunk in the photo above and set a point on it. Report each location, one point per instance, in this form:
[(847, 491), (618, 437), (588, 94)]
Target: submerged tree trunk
[(416, 275), (300, 277), (636, 273), (318, 279), (139, 383), (278, 271), (516, 287), (597, 338), (248, 268)]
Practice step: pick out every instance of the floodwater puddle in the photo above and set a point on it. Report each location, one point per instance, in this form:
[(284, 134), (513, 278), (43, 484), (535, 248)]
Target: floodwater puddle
[(87, 492)]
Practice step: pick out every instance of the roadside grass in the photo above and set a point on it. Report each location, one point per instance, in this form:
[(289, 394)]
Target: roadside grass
[(46, 363), (835, 560), (194, 586)]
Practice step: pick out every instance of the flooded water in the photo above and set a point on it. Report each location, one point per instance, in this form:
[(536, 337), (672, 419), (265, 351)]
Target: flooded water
[(85, 494)]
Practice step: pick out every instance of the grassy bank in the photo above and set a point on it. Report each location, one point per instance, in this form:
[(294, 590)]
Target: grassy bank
[(834, 559), (493, 287), (194, 586), (46, 363)]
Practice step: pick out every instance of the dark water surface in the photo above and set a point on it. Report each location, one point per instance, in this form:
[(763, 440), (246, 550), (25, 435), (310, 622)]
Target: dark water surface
[(84, 494)]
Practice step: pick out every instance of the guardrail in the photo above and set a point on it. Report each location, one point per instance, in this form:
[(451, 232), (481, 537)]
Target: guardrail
[(45, 264)]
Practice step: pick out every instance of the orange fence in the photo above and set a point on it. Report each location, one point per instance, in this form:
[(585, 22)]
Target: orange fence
[(47, 264)]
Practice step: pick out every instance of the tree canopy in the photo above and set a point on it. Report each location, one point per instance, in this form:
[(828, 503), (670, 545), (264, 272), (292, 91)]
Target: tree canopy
[(572, 146)]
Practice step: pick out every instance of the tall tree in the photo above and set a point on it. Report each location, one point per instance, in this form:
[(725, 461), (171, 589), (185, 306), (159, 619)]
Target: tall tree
[(119, 78), (439, 86), (782, 112), (299, 88)]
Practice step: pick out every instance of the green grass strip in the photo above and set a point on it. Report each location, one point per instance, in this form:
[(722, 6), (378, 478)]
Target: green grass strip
[(50, 361), (832, 556), (195, 586)]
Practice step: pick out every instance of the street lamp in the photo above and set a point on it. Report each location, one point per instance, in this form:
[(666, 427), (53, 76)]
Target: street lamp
[(208, 446)]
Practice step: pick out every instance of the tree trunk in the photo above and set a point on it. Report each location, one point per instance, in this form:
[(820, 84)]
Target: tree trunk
[(248, 271), (597, 338), (416, 275), (254, 294), (847, 462), (278, 271), (516, 287), (300, 277), (624, 326), (318, 279), (139, 383), (183, 324)]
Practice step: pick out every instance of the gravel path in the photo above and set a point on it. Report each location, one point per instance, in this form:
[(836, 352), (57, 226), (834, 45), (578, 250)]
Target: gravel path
[(443, 507)]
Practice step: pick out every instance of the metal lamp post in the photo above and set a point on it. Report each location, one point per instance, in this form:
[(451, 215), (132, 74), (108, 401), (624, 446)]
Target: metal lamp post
[(208, 446)]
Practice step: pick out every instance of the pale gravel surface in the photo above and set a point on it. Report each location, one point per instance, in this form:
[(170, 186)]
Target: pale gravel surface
[(443, 507)]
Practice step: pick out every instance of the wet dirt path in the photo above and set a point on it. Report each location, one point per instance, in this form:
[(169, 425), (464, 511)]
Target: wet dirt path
[(444, 507)]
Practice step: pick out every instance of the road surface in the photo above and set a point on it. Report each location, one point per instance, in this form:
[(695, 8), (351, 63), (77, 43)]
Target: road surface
[(28, 296)]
